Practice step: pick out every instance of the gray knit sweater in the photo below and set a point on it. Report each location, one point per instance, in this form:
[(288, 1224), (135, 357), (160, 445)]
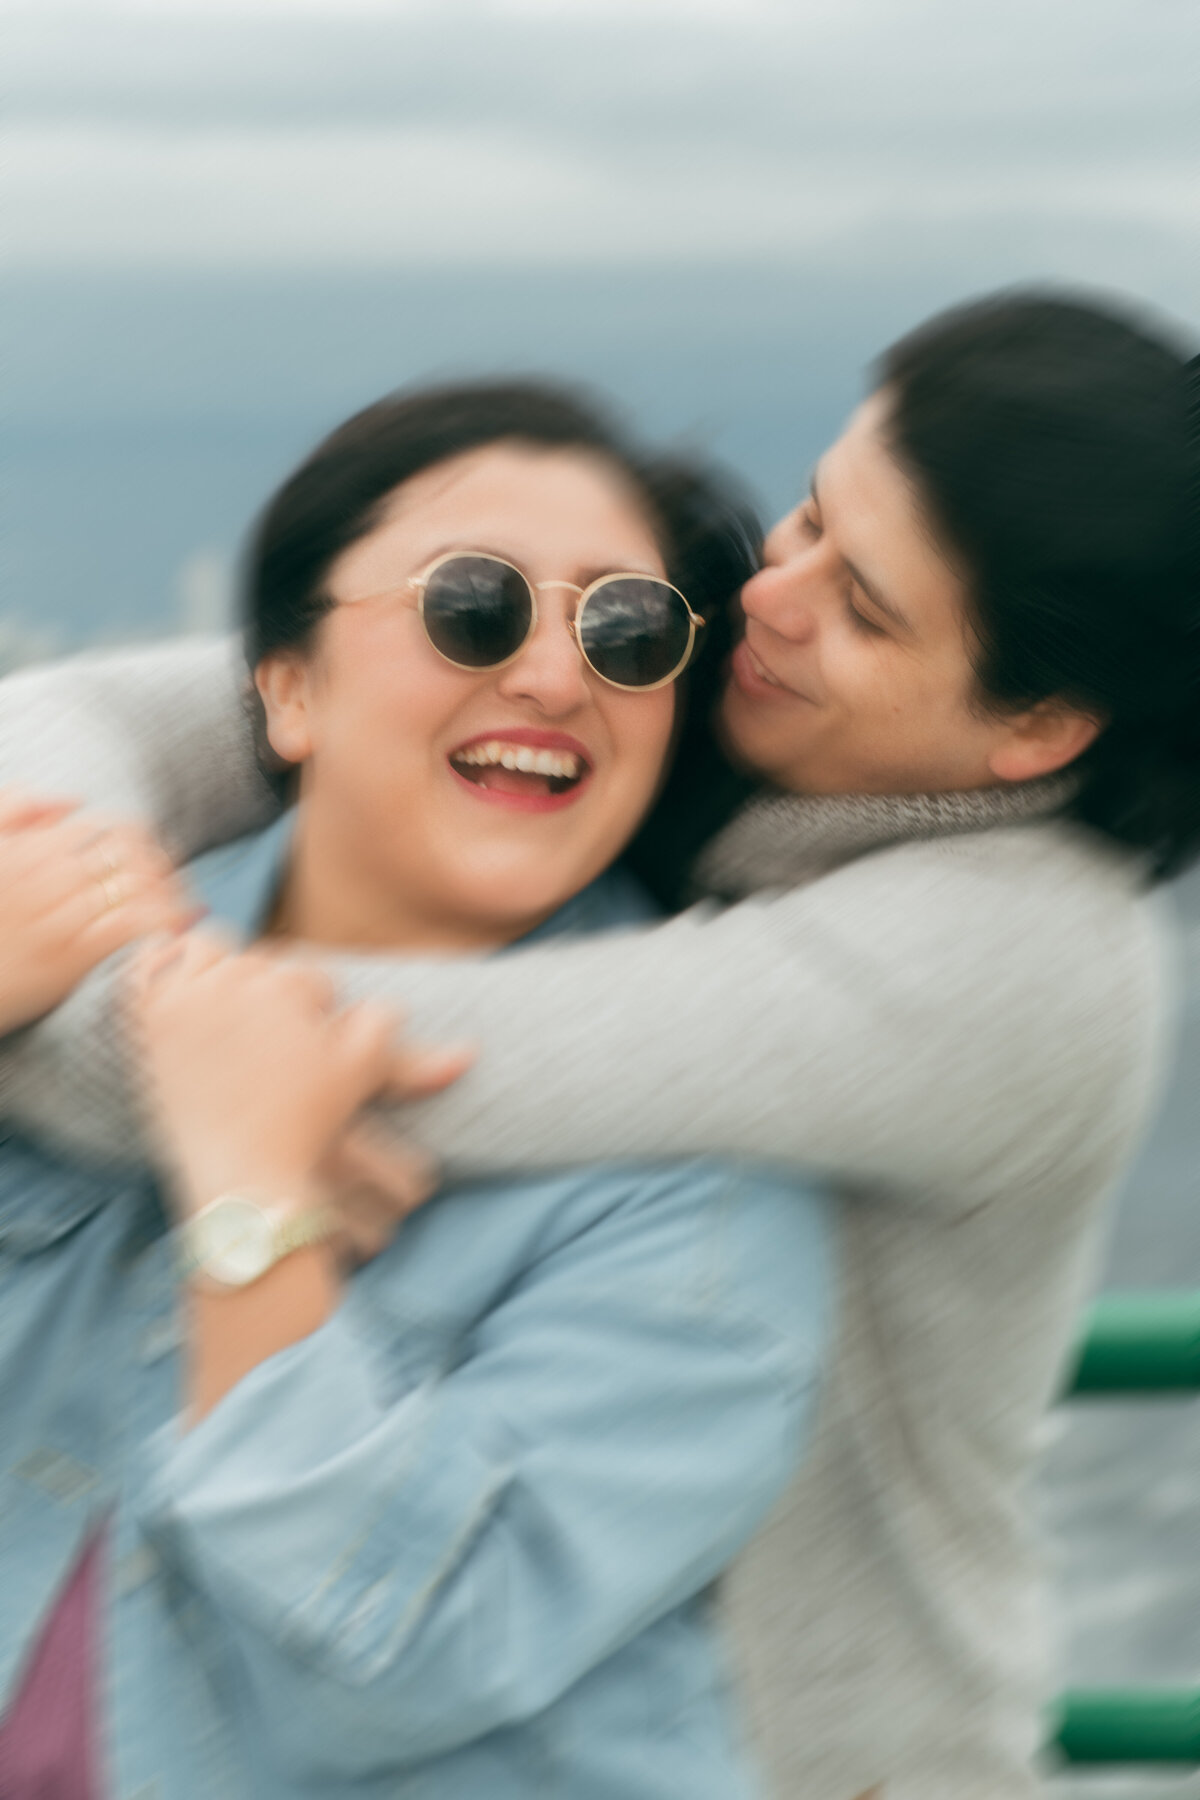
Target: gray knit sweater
[(951, 1004)]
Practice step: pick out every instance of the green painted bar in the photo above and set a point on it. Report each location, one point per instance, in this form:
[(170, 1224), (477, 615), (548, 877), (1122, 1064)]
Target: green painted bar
[(1133, 1344), (1140, 1343), (1128, 1725)]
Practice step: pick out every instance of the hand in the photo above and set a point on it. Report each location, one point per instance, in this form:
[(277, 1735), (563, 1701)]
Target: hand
[(371, 1182), (255, 1078), (74, 888)]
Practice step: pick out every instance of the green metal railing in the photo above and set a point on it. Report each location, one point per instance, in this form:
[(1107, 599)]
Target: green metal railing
[(1140, 1344), (1123, 1725), (1146, 1344)]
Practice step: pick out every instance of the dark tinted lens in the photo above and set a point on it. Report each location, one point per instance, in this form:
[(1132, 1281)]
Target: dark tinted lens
[(477, 612), (634, 632)]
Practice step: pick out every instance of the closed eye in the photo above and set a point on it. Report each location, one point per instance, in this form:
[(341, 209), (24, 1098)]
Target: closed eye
[(860, 620)]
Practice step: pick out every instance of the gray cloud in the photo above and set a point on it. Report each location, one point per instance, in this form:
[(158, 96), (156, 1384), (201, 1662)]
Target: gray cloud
[(181, 138), (916, 76), (229, 222)]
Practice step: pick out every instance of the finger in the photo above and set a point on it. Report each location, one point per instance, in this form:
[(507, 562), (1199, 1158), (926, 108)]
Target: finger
[(191, 952), (170, 913), (418, 1070), (20, 809), (189, 956), (206, 947), (364, 1228), (97, 919), (372, 1215), (113, 848), (361, 1037), (130, 858), (137, 841), (299, 955), (150, 961), (71, 858), (114, 926), (95, 822), (341, 1247), (400, 1174), (86, 827), (306, 982)]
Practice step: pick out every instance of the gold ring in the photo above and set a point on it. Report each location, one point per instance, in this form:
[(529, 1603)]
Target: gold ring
[(113, 890), (100, 860)]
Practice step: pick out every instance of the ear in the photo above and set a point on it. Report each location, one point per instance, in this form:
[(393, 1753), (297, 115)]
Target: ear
[(1047, 737), (283, 683)]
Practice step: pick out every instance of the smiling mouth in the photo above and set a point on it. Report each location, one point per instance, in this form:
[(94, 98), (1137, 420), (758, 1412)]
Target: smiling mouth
[(757, 681), (519, 770), (763, 673)]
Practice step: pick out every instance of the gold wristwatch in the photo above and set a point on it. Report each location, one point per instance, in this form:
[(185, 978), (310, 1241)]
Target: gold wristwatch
[(236, 1238)]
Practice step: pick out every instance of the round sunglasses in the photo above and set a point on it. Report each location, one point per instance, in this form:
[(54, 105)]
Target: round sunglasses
[(633, 631)]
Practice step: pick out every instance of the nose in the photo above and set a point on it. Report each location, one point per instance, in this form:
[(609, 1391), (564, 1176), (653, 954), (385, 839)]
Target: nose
[(550, 672), (781, 597)]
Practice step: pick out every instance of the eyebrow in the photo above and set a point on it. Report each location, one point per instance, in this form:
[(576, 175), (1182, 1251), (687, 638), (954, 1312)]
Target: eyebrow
[(875, 595)]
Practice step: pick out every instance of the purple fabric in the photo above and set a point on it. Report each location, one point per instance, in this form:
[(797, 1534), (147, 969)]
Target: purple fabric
[(48, 1747)]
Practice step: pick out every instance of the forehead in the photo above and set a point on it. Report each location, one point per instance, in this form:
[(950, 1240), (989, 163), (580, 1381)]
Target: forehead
[(877, 519), (544, 508)]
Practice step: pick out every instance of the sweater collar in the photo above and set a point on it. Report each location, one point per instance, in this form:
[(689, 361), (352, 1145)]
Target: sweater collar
[(784, 840)]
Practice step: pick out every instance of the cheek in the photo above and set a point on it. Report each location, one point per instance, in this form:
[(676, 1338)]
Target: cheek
[(946, 688), (891, 681), (389, 692), (640, 729), (919, 699), (869, 674)]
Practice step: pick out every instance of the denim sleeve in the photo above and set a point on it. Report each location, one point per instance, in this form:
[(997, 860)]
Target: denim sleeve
[(397, 1577)]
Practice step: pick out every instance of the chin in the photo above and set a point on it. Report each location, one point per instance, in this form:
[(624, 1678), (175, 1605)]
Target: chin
[(513, 907), (736, 742), (754, 751)]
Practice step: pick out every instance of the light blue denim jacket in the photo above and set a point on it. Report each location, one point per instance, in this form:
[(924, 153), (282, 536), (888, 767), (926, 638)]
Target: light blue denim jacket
[(458, 1543)]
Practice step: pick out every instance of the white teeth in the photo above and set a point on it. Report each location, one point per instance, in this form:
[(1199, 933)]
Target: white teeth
[(560, 765)]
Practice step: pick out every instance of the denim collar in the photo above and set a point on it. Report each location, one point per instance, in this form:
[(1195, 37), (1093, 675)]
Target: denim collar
[(238, 883)]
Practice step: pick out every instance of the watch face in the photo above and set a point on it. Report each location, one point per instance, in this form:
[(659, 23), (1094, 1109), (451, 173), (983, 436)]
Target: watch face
[(232, 1241)]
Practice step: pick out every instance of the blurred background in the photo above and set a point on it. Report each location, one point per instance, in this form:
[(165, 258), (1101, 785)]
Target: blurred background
[(229, 223)]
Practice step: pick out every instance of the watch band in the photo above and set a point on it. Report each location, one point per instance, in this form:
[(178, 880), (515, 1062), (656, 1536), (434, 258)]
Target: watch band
[(238, 1237), (299, 1229)]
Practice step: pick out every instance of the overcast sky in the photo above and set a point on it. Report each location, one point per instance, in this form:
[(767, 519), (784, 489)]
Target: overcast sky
[(376, 133), (227, 223)]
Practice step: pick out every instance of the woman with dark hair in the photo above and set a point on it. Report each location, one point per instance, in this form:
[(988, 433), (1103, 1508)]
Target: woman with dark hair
[(964, 718), (444, 1528)]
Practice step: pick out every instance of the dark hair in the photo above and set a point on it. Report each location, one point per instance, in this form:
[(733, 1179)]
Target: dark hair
[(1056, 447), (706, 534)]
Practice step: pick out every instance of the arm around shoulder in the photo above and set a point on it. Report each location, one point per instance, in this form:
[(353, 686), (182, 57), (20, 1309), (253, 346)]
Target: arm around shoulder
[(159, 734), (899, 1022)]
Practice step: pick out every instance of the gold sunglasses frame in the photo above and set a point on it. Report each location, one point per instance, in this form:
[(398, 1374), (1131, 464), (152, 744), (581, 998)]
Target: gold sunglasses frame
[(695, 622)]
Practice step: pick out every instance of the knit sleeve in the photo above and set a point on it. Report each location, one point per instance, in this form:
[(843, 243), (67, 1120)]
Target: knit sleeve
[(158, 734), (933, 1017)]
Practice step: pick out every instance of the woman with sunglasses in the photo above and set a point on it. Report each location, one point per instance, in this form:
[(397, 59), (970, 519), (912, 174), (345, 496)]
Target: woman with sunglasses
[(446, 1528), (968, 693)]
